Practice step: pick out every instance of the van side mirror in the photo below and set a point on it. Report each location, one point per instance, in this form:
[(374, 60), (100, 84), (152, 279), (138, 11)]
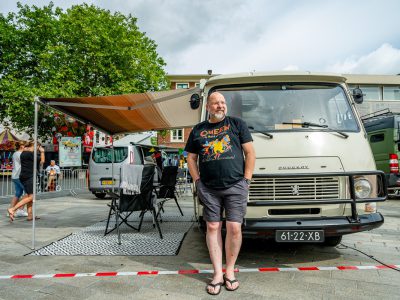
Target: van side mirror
[(194, 101), (358, 96)]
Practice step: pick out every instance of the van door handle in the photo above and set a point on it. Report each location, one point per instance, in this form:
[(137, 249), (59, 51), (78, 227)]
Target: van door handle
[(107, 168)]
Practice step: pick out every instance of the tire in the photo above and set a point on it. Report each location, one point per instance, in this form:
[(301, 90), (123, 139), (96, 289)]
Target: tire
[(332, 241), (100, 195)]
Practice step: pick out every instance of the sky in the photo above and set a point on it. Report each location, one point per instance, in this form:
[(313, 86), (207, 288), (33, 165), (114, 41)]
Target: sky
[(230, 36)]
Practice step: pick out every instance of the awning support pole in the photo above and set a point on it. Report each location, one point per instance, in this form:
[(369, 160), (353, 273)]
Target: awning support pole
[(113, 190), (35, 137)]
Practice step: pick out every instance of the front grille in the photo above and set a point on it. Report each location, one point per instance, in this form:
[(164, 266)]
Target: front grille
[(309, 188)]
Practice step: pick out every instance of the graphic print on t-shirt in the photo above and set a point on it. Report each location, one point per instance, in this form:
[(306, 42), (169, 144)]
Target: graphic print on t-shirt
[(217, 144)]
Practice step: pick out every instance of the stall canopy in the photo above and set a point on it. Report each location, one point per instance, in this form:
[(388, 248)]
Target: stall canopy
[(6, 136), (131, 112)]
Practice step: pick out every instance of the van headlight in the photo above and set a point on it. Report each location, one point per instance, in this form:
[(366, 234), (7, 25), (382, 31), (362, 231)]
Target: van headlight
[(363, 188)]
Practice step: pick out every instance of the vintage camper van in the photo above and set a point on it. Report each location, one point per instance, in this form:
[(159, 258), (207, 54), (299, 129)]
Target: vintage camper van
[(315, 177)]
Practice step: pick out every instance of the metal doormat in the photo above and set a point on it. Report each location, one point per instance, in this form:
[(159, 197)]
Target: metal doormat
[(91, 240)]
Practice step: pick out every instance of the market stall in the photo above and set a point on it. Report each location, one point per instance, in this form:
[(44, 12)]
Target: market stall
[(125, 114), (7, 148)]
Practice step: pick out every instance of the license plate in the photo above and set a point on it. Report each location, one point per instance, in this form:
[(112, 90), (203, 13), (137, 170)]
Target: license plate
[(106, 182), (301, 236)]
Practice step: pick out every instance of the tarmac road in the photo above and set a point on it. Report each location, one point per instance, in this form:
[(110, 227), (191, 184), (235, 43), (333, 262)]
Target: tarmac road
[(64, 215)]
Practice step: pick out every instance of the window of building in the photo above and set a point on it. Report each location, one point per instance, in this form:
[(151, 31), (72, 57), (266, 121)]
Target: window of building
[(197, 85), (371, 93), (177, 135), (391, 93), (182, 85)]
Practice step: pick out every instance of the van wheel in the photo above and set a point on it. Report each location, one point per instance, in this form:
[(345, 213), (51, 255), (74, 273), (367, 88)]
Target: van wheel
[(100, 195), (332, 241)]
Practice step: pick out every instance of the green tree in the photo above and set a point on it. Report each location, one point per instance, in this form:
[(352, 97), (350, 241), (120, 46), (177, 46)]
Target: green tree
[(83, 51)]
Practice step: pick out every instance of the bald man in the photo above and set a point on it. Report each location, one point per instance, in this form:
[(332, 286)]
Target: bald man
[(221, 160)]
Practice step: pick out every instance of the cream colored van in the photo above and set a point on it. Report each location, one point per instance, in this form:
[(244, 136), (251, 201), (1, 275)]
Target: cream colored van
[(315, 177)]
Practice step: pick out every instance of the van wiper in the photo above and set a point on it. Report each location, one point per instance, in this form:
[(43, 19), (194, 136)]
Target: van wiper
[(310, 124), (262, 132)]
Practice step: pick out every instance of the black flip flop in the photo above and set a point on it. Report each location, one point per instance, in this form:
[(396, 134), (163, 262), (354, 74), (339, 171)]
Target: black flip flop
[(214, 285), (231, 282)]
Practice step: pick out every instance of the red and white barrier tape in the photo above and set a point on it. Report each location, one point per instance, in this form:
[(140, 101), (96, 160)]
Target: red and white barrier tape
[(185, 272)]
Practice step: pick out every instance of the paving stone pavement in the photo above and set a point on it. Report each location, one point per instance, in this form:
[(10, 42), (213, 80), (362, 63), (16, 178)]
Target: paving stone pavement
[(63, 215)]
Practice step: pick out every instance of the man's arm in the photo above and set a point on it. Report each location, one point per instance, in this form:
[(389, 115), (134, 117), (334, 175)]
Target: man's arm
[(250, 159), (192, 166)]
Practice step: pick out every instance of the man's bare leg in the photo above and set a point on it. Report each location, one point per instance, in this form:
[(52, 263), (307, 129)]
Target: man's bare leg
[(214, 244), (233, 242)]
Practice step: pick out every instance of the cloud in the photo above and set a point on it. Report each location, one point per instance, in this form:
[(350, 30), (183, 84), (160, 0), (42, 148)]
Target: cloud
[(291, 68), (384, 60), (265, 35)]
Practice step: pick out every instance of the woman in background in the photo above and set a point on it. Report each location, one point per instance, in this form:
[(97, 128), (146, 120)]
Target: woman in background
[(19, 188), (26, 178)]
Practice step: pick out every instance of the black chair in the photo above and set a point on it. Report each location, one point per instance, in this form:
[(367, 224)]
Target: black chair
[(167, 187), (122, 206)]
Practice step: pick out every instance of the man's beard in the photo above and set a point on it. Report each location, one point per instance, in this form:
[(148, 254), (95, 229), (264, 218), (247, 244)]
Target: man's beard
[(218, 116)]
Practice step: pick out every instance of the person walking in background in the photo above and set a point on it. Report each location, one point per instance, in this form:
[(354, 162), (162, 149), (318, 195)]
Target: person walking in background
[(175, 161), (19, 188), (26, 178), (182, 161), (222, 177)]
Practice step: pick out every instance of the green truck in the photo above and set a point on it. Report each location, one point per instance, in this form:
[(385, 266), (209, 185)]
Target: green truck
[(383, 129)]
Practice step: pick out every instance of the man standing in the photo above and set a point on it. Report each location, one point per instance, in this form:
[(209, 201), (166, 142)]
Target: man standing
[(222, 181)]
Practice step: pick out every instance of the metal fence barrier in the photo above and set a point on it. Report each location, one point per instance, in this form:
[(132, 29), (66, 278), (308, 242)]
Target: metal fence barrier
[(68, 180)]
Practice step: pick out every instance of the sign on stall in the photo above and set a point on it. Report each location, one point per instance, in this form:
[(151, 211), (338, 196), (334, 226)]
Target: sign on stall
[(70, 152)]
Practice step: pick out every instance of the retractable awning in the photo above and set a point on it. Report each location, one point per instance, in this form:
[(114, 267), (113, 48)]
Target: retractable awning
[(131, 112)]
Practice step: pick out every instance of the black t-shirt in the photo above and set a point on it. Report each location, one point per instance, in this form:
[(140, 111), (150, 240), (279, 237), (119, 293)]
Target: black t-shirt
[(221, 160), (27, 165)]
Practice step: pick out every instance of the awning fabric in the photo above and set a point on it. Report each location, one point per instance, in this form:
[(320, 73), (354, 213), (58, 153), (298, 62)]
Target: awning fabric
[(132, 112)]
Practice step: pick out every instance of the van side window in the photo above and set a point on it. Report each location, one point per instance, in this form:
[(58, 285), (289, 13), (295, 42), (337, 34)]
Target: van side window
[(104, 155), (377, 138), (137, 156)]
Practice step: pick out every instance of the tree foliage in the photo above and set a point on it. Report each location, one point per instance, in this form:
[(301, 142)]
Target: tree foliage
[(83, 51)]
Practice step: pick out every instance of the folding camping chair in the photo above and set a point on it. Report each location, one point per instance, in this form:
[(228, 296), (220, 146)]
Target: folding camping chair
[(183, 181), (167, 188), (122, 206)]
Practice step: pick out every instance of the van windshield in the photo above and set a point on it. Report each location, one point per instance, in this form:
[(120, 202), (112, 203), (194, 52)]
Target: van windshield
[(267, 108), (104, 155)]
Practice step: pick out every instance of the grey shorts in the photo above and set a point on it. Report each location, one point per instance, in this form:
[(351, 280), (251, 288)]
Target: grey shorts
[(233, 200)]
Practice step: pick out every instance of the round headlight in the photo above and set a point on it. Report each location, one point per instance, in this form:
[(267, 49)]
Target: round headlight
[(362, 188)]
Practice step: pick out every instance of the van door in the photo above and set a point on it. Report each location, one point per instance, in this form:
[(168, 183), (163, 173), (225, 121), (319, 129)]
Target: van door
[(381, 145), (101, 164)]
